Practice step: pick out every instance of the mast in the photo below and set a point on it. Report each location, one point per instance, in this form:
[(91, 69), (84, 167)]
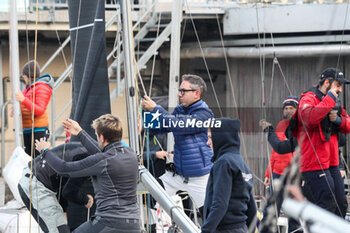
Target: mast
[(149, 182), (15, 70), (174, 73), (129, 72)]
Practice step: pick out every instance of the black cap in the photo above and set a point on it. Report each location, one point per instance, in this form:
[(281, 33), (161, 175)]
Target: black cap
[(333, 73)]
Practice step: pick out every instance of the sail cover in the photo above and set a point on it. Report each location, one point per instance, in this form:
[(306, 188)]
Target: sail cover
[(90, 97), (90, 74)]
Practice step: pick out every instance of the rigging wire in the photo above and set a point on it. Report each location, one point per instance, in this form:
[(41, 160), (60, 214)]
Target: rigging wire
[(308, 136), (136, 79), (28, 59), (262, 67), (183, 30), (232, 90), (338, 62), (284, 78), (63, 54), (150, 88), (341, 41), (76, 39), (154, 58), (74, 57), (204, 59), (70, 78), (27, 33), (263, 104), (118, 30), (33, 110)]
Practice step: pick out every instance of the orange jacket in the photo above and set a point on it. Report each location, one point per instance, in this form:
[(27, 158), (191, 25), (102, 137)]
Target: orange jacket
[(43, 91)]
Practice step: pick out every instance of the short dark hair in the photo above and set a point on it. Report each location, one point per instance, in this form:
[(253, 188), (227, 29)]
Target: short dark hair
[(31, 69), (196, 82), (321, 81), (109, 126)]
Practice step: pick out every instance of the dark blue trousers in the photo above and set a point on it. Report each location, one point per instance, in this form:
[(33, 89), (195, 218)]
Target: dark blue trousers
[(339, 192), (321, 184)]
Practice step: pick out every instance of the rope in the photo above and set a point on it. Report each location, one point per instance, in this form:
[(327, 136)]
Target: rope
[(154, 58), (76, 39), (138, 110), (27, 34), (263, 104), (117, 36), (341, 41), (69, 75), (284, 78), (275, 61), (33, 109), (307, 133), (74, 57), (204, 59), (28, 58), (232, 90), (63, 54), (312, 145)]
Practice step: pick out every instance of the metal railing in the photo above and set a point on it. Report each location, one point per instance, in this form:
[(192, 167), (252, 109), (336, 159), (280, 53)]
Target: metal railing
[(3, 108), (63, 4)]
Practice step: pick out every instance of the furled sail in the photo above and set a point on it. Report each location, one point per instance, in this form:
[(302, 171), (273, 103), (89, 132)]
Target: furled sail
[(90, 97), (90, 76)]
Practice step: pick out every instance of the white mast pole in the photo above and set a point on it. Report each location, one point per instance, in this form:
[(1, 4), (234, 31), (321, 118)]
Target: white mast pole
[(129, 72), (174, 73), (14, 74)]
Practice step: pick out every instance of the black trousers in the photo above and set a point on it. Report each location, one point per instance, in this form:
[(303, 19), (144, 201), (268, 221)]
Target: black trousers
[(27, 138), (339, 191), (322, 186), (111, 225)]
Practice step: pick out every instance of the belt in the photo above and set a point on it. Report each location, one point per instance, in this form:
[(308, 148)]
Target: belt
[(119, 220)]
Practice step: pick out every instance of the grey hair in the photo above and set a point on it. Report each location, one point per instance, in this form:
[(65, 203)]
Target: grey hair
[(196, 82)]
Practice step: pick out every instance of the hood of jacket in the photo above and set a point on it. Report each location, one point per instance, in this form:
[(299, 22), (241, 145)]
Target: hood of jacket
[(226, 138), (46, 78)]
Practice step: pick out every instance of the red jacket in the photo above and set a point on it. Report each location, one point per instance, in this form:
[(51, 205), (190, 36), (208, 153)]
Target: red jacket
[(279, 162), (43, 91), (317, 154), (343, 128)]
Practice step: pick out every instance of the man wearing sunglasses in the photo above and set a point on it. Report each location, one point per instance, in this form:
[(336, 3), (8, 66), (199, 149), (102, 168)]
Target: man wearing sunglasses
[(192, 156)]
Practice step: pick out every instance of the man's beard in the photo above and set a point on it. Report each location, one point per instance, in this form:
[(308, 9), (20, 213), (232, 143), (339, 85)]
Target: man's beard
[(287, 117)]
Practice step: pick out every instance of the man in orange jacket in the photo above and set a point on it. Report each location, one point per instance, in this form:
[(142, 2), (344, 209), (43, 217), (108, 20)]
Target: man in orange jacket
[(34, 103)]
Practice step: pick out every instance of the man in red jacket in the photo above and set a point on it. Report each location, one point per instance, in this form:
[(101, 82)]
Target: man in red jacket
[(34, 102), (320, 118)]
